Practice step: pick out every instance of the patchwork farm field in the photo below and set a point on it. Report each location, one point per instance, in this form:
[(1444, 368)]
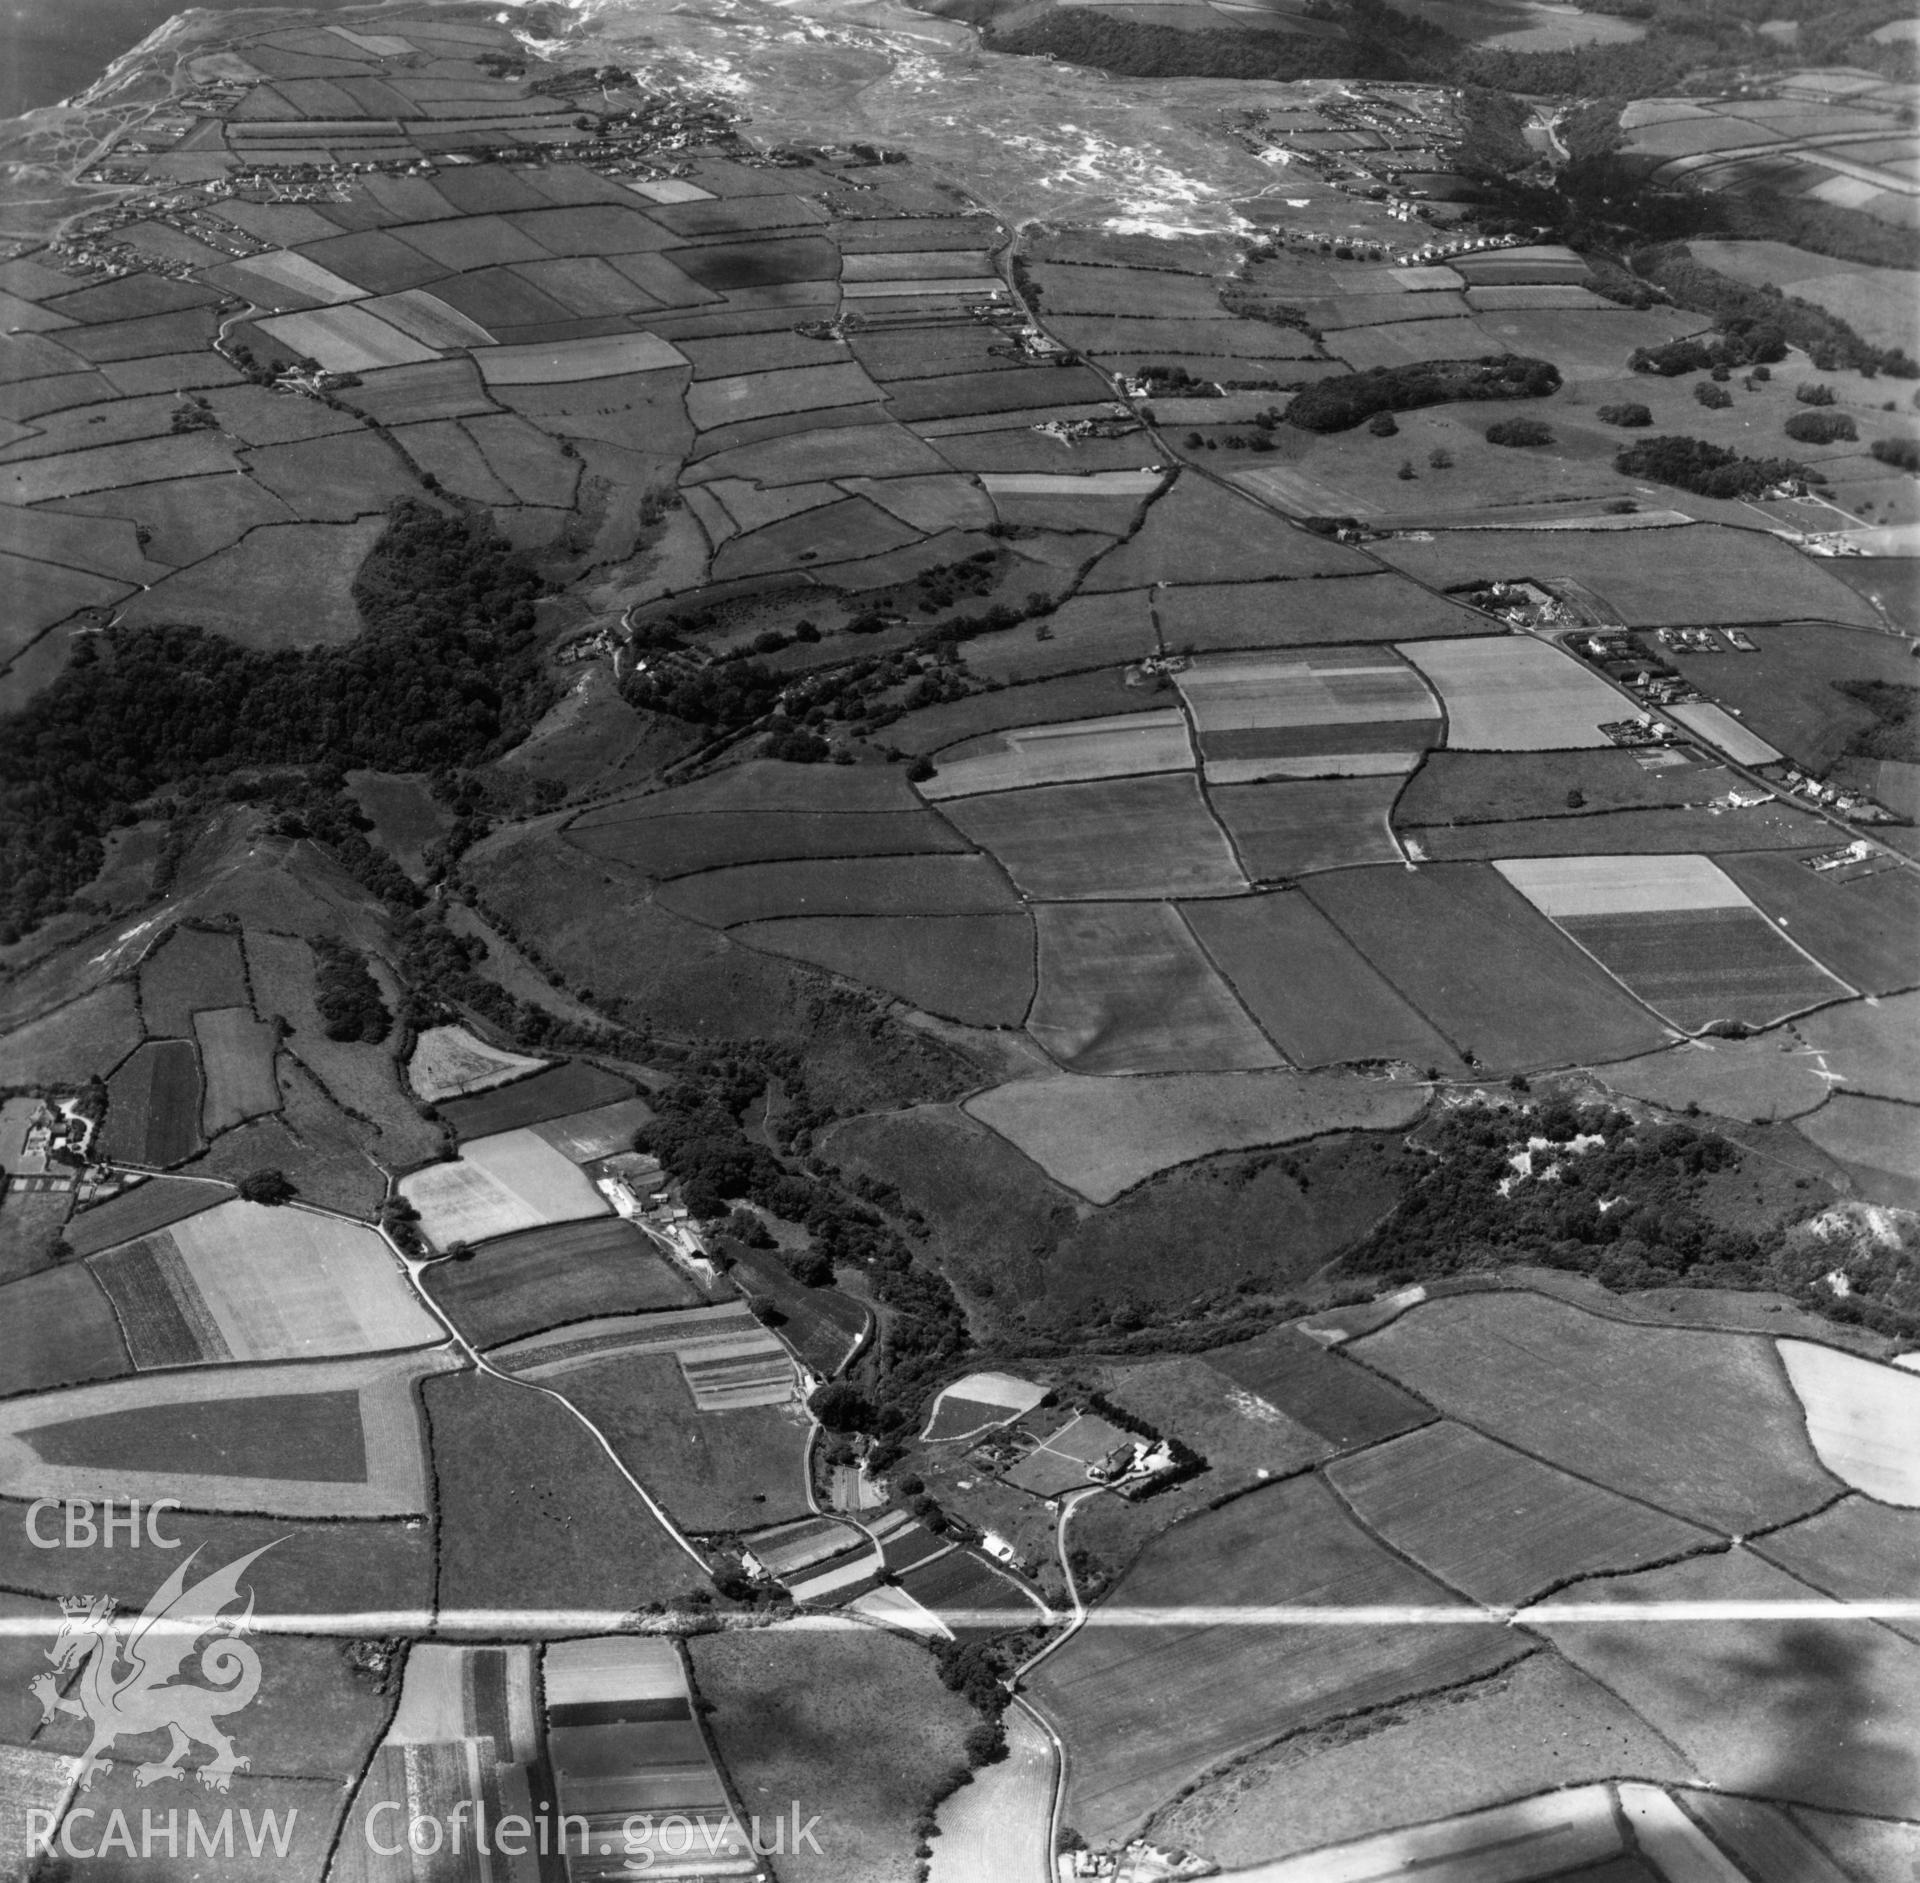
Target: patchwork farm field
[(541, 1278), (510, 1462), (1101, 1137), (1118, 839), (243, 1282), (1433, 1495), (977, 969), (1125, 988), (1154, 1706), (1489, 972), (1702, 1425)]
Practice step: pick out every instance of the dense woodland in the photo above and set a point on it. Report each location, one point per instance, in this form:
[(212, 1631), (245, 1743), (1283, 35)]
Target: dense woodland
[(1472, 1209), (701, 1141), (447, 673), (1347, 399), (1708, 470)]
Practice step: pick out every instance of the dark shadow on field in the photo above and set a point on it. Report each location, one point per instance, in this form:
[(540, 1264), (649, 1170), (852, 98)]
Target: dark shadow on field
[(1816, 1719)]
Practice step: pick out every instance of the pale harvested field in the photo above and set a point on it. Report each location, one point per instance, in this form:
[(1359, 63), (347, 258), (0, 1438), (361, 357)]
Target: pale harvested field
[(1509, 1844), (460, 1203), (1863, 1418), (535, 1170), (429, 319), (559, 362), (1514, 694), (1001, 1825), (346, 339), (1621, 885), (1063, 754), (284, 269), (290, 1284), (448, 1062), (1103, 1136)]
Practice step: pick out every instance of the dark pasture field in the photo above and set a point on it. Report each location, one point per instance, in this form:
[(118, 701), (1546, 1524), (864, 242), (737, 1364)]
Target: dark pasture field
[(1696, 966), (1493, 974), (1671, 829), (305, 1436), (61, 1332), (680, 845), (977, 969), (406, 816), (961, 1583), (1698, 574), (1758, 1706), (1858, 1550), (540, 1278), (758, 892), (1075, 696), (991, 1211), (1319, 1388), (571, 1087), (237, 1051), (193, 968), (1703, 1425), (819, 1324), (1499, 1525), (153, 1104), (319, 1569), (1500, 787), (855, 1725), (713, 1471), (1201, 616), (29, 1222), (1197, 532), (1273, 1219), (147, 1301), (140, 1211), (1117, 838), (1866, 930), (86, 1038), (1288, 827), (1788, 692), (1151, 1708), (1319, 999), (512, 1463), (1085, 632), (1125, 988)]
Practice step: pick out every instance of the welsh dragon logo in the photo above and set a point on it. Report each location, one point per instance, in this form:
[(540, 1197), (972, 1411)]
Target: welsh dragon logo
[(127, 1667)]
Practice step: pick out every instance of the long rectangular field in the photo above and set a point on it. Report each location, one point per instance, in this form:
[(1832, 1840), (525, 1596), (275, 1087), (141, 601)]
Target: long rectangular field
[(1120, 747), (1115, 840)]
